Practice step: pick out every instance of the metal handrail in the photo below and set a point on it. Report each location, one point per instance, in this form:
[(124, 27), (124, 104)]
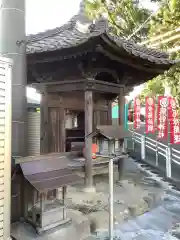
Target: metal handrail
[(171, 154)]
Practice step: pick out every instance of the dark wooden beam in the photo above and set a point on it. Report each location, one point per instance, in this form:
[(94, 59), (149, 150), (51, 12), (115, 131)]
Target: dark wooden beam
[(62, 54), (109, 112), (129, 62), (66, 86), (44, 121), (62, 129), (83, 85), (121, 102)]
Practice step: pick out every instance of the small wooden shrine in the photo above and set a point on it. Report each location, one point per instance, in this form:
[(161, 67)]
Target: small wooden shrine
[(43, 179), (80, 68)]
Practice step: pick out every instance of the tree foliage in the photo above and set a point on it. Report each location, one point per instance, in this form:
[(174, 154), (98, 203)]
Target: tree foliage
[(152, 89), (124, 16), (167, 20)]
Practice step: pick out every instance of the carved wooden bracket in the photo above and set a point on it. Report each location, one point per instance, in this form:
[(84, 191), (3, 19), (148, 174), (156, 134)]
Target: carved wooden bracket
[(89, 85)]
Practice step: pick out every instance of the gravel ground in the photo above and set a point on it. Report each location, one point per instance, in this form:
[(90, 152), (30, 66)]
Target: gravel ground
[(133, 196)]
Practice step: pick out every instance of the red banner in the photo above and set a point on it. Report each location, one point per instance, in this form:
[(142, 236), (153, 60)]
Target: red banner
[(150, 114), (137, 111), (162, 117), (173, 121)]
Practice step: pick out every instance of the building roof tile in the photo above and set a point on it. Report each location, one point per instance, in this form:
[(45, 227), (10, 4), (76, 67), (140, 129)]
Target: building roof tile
[(69, 35)]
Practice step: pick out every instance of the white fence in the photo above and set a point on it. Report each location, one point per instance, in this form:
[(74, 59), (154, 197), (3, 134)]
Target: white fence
[(170, 154)]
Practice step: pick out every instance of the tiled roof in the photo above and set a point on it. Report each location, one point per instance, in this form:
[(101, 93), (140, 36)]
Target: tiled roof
[(69, 36)]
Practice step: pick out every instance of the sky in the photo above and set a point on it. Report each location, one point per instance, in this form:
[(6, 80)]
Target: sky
[(42, 15), (45, 14)]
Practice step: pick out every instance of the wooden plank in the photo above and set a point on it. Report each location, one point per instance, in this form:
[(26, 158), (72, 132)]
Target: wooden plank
[(104, 117), (44, 122), (62, 133), (57, 129), (54, 129), (66, 87), (98, 118), (74, 103), (109, 113), (34, 201)]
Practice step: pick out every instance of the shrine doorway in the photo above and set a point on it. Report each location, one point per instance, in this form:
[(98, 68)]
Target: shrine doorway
[(75, 130)]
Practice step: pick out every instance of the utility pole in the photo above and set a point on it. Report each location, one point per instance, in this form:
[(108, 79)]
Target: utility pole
[(12, 45)]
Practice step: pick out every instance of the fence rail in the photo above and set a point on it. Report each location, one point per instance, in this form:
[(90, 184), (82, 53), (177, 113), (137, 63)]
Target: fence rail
[(169, 154)]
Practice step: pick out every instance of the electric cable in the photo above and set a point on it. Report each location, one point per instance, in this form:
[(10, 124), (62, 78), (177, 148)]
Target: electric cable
[(160, 36)]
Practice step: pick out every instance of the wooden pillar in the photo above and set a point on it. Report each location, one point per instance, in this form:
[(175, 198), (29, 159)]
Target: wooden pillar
[(44, 121), (121, 102), (98, 122), (62, 132), (98, 117), (88, 141), (109, 112)]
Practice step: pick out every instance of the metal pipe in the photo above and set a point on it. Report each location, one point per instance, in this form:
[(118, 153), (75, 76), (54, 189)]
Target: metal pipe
[(64, 192), (173, 157), (111, 201), (12, 45)]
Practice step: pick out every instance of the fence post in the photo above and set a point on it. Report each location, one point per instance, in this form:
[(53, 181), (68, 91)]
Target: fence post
[(111, 200), (133, 141), (143, 147), (157, 157), (125, 145), (168, 161)]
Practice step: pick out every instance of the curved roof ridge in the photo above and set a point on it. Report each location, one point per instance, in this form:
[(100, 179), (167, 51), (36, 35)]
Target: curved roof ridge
[(122, 41), (71, 35), (70, 25), (52, 32)]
